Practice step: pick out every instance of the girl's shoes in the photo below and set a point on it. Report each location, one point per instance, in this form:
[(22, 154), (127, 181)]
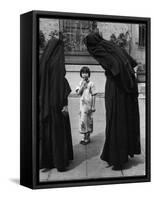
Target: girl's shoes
[(85, 141), (82, 141)]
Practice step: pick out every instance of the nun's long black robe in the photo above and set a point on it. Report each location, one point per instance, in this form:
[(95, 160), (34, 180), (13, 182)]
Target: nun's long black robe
[(121, 100), (55, 133)]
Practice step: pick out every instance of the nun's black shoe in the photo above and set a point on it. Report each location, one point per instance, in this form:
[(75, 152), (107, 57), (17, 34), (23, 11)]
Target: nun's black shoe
[(117, 167), (46, 169), (62, 170), (85, 142)]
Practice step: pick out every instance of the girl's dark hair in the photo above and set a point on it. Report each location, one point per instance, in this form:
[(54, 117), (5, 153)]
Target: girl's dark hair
[(84, 69)]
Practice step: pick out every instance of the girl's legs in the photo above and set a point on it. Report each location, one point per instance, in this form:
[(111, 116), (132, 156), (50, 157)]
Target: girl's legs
[(85, 126)]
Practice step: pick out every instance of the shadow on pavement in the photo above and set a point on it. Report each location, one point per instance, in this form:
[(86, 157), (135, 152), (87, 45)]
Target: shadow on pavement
[(83, 153), (15, 180), (132, 162), (93, 149)]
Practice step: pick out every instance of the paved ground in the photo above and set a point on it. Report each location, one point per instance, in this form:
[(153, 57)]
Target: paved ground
[(87, 163)]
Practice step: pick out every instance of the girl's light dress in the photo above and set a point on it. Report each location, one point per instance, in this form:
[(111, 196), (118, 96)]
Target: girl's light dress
[(85, 114)]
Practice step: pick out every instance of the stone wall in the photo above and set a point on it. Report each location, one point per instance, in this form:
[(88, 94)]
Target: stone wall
[(107, 29), (48, 25)]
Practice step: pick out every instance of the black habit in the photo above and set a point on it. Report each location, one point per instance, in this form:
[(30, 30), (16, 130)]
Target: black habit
[(55, 133), (121, 100)]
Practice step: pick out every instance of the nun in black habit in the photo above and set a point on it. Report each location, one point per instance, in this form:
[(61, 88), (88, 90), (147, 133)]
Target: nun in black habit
[(121, 101), (55, 133)]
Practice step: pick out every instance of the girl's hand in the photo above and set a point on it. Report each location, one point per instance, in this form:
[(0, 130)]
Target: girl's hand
[(91, 110), (84, 83)]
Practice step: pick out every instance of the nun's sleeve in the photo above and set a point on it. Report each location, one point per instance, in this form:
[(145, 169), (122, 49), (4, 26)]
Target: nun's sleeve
[(67, 91)]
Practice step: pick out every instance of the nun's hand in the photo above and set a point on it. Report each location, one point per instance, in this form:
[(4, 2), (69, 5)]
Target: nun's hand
[(65, 110)]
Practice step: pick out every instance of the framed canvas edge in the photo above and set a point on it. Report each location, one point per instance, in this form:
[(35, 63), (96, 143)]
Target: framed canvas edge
[(76, 183), (90, 182)]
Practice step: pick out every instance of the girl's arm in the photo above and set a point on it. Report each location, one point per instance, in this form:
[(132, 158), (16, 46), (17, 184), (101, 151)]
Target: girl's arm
[(94, 92), (93, 103), (79, 90)]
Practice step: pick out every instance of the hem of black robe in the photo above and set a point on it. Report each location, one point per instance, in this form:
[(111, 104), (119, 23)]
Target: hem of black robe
[(114, 163), (110, 163), (59, 168), (133, 154), (46, 166)]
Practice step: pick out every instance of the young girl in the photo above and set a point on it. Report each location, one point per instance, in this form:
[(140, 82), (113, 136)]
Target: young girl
[(87, 92)]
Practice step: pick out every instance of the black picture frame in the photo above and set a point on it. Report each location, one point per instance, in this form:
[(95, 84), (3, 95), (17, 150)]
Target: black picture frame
[(29, 60)]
